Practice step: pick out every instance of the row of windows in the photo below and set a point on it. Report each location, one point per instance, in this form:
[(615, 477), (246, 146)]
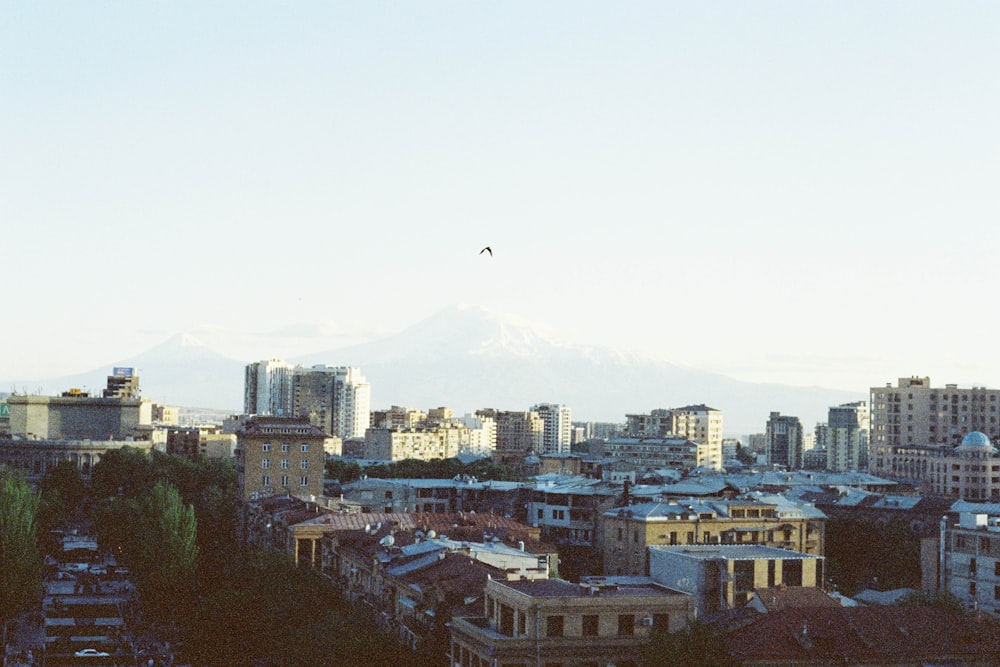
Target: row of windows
[(266, 463), (285, 447), (266, 480)]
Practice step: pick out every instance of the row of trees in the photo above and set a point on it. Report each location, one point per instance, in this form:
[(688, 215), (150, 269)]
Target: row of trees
[(482, 469), (173, 522)]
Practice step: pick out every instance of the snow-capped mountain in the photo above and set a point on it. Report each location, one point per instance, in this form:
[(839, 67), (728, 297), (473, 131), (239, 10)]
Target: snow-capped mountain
[(467, 358)]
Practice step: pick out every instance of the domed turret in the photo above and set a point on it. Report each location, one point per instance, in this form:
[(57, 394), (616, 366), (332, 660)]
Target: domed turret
[(976, 441)]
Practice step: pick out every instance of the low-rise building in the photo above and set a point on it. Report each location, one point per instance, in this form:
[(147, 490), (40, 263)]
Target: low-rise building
[(555, 622), (724, 576), (765, 519)]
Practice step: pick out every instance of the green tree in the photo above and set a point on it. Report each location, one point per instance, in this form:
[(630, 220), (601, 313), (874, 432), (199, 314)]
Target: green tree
[(166, 553), (344, 471), (745, 456), (20, 561), (697, 645), (66, 483), (126, 472)]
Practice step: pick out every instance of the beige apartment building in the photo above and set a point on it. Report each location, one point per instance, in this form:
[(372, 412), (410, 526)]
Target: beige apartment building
[(770, 520), (913, 413), (279, 455), (518, 434), (555, 622), (419, 442), (698, 423)]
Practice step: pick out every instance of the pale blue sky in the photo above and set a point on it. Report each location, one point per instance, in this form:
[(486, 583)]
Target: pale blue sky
[(785, 191)]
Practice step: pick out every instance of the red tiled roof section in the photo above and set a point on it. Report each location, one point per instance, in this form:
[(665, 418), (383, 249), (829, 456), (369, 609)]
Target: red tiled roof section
[(456, 575), (462, 527), (882, 635), (777, 598)]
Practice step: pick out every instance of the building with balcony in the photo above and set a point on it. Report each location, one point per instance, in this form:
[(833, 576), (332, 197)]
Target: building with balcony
[(555, 622), (913, 413), (755, 518)]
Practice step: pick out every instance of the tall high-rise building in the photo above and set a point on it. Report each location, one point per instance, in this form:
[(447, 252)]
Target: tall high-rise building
[(697, 423), (337, 399), (915, 414), (784, 441), (846, 437), (557, 433), (267, 388), (518, 434)]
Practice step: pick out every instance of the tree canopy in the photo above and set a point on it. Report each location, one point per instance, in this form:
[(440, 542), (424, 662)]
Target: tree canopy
[(20, 560)]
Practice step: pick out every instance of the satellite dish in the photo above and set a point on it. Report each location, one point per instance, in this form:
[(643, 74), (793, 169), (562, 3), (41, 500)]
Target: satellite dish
[(431, 534), (387, 541), (419, 534)]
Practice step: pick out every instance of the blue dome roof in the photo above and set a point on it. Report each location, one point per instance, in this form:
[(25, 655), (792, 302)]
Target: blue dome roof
[(976, 439)]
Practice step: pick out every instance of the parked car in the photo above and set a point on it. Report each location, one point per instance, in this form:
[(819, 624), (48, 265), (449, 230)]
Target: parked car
[(92, 653)]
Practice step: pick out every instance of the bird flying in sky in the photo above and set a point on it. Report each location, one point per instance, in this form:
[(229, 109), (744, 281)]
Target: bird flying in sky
[(487, 249)]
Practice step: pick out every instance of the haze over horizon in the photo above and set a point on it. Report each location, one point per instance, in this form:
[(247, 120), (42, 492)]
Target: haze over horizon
[(778, 192)]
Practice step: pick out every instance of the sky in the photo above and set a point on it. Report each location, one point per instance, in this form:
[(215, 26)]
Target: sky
[(790, 192)]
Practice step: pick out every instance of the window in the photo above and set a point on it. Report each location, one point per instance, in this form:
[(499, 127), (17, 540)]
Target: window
[(284, 447), (591, 625), (265, 447), (265, 480), (284, 480), (553, 626), (626, 625), (303, 481), (284, 464), (304, 465), (972, 566), (305, 448), (972, 588), (265, 463)]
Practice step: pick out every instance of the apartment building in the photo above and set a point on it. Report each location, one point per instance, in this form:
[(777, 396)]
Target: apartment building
[(426, 443), (784, 442), (913, 413), (724, 576), (557, 427), (770, 520), (698, 423), (845, 437), (555, 622), (968, 561), (970, 471), (337, 399), (649, 454), (279, 455), (518, 434)]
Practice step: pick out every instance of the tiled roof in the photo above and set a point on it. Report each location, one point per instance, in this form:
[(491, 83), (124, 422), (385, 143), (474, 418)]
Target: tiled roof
[(884, 635), (777, 598)]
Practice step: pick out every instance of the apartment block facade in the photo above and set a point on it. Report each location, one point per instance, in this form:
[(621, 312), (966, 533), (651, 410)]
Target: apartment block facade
[(555, 622), (557, 430), (913, 413), (337, 399), (784, 441), (279, 455)]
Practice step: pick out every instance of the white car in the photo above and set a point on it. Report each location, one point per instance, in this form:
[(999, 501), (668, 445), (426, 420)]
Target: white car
[(92, 653)]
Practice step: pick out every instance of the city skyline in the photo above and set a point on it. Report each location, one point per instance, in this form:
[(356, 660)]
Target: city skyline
[(782, 193)]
